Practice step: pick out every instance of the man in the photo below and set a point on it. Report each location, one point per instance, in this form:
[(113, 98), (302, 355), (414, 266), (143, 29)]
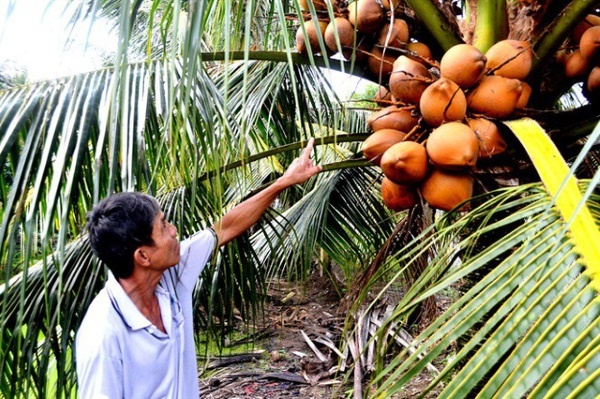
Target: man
[(136, 339)]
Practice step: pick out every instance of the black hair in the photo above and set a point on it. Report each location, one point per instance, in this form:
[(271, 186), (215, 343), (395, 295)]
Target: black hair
[(120, 224)]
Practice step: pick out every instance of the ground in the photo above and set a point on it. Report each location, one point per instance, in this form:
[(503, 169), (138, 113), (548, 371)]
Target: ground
[(282, 364), (286, 362)]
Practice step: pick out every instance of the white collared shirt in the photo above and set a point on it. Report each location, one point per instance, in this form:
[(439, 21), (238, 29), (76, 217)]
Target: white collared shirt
[(120, 354)]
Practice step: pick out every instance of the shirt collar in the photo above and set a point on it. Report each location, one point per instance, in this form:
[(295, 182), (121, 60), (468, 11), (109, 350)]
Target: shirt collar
[(130, 314)]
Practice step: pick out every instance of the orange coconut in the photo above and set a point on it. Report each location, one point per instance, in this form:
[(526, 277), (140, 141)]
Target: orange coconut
[(576, 65), (365, 15), (510, 59), (398, 197), (381, 64), (495, 96), (589, 21), (345, 33), (392, 117), (405, 163), (443, 101), (376, 144), (311, 27), (395, 35), (421, 50), (445, 190), (524, 97), (589, 45), (453, 146), (383, 97), (593, 81), (408, 80), (391, 4), (491, 141), (464, 64)]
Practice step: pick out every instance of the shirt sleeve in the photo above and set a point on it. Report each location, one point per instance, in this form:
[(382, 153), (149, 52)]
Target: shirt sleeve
[(196, 252), (98, 375)]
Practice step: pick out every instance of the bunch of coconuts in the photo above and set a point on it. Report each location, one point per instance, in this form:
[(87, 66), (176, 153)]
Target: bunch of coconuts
[(583, 62), (429, 146), (441, 116)]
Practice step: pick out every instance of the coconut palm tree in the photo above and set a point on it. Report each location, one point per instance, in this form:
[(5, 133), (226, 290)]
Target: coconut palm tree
[(207, 101)]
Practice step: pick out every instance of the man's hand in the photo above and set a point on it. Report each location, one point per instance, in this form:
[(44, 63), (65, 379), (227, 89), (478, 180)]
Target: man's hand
[(244, 215), (302, 168)]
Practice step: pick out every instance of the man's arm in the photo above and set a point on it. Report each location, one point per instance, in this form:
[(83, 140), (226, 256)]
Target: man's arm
[(244, 215)]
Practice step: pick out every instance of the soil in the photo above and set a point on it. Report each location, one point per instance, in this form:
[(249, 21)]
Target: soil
[(284, 364)]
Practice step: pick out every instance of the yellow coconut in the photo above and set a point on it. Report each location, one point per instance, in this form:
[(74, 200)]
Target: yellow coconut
[(495, 96), (453, 146), (311, 27), (345, 32), (491, 141), (464, 64), (381, 64), (319, 5), (445, 190), (395, 35), (589, 45), (376, 144), (405, 163), (524, 97), (392, 117), (420, 50), (576, 65), (408, 80), (443, 101), (366, 15), (510, 59), (398, 197)]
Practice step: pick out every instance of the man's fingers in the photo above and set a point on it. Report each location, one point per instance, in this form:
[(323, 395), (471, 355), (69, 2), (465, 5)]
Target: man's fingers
[(308, 149)]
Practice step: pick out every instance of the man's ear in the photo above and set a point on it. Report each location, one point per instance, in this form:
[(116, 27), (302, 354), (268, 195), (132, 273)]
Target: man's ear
[(140, 256)]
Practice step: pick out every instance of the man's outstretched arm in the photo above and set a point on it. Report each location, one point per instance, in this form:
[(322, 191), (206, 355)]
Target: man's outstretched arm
[(244, 215)]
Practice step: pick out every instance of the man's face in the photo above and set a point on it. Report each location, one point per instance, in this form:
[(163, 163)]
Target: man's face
[(165, 251)]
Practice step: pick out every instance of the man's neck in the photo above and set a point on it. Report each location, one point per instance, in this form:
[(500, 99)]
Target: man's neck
[(140, 287)]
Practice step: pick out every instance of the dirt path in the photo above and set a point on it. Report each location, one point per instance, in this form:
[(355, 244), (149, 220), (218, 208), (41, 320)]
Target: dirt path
[(287, 366)]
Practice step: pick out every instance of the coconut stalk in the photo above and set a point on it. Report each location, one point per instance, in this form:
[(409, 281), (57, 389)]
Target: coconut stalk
[(437, 24), (491, 23)]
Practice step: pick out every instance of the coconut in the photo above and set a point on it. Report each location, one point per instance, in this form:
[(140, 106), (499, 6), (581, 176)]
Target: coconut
[(376, 144), (390, 4), (408, 80), (443, 101), (510, 59), (405, 163), (491, 141), (381, 64), (319, 5), (445, 190), (395, 35), (420, 50), (345, 32), (311, 27), (495, 96), (453, 146), (398, 197), (464, 64), (524, 97), (392, 117), (589, 45), (366, 15), (593, 81), (576, 66), (383, 97), (589, 21)]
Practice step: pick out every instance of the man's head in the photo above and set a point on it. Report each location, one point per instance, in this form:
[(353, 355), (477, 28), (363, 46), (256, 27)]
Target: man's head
[(118, 226)]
